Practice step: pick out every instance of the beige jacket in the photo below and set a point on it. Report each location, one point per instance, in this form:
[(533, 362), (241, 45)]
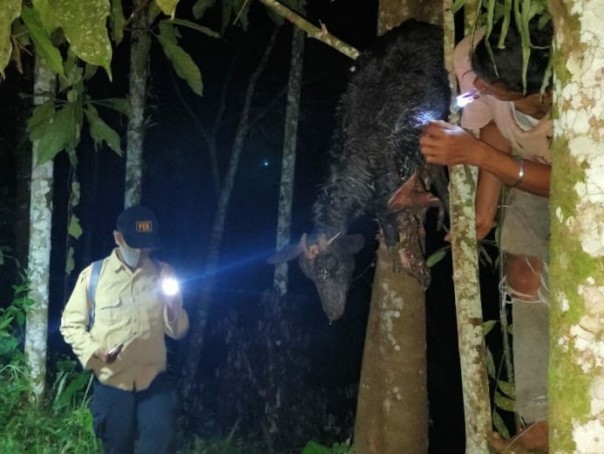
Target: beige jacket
[(128, 304)]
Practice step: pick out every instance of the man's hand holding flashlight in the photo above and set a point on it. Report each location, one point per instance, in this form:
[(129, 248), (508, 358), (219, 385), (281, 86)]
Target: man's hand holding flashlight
[(170, 289)]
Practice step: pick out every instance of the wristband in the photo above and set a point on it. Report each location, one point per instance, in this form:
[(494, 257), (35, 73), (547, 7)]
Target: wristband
[(520, 176)]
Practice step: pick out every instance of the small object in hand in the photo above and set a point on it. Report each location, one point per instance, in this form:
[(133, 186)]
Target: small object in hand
[(118, 347), (466, 98)]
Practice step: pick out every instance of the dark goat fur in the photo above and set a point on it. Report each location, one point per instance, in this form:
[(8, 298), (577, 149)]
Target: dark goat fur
[(399, 84)]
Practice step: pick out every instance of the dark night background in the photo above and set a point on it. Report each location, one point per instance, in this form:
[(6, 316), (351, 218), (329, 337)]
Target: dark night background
[(178, 187)]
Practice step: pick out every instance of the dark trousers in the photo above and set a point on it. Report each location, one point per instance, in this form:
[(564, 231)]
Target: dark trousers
[(135, 421)]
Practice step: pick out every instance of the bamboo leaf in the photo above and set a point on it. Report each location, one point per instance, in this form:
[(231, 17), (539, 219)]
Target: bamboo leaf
[(491, 370), (182, 62), (45, 48), (11, 9), (436, 257), (500, 426), (488, 326), (201, 6), (507, 388), (101, 131), (505, 403), (194, 26)]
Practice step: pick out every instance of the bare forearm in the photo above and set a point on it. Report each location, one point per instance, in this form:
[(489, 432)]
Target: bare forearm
[(507, 168)]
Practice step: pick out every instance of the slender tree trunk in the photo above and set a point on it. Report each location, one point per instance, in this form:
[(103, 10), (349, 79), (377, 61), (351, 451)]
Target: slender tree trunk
[(576, 366), (288, 162), (472, 352), (40, 210), (200, 315), (139, 73)]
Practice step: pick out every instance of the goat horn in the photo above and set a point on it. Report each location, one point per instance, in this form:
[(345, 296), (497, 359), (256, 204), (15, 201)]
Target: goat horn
[(333, 238)]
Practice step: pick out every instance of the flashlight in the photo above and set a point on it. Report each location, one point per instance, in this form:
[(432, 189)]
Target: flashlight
[(170, 286), (466, 98)]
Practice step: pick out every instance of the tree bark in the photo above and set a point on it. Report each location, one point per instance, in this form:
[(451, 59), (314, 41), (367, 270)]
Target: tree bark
[(472, 352), (288, 161), (139, 73), (40, 210), (392, 12), (576, 366), (392, 408)]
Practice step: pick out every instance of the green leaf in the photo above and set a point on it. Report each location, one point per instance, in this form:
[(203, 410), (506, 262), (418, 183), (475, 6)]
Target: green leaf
[(487, 326), (101, 131), (11, 9), (227, 9), (491, 370), (54, 131), (48, 13), (201, 6), (182, 62), (70, 262), (121, 105), (74, 229), (168, 7), (45, 48), (312, 447), (437, 256), (200, 28), (505, 403), (84, 25), (507, 388), (117, 21), (500, 426)]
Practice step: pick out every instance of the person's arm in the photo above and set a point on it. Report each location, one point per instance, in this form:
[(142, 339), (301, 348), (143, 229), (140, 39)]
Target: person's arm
[(446, 144), (175, 317)]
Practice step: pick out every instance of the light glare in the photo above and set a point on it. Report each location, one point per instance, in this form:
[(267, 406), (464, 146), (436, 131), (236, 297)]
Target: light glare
[(170, 286)]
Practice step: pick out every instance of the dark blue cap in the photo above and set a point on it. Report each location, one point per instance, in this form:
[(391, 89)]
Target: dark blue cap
[(139, 227)]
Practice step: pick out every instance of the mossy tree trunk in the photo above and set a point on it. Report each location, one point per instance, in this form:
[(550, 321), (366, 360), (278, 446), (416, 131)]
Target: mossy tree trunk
[(472, 351), (576, 368), (139, 73), (40, 221)]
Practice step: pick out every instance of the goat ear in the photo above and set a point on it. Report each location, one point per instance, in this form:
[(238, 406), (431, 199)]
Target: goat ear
[(353, 243), (286, 253)]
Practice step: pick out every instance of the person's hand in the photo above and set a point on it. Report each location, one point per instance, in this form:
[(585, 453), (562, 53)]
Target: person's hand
[(447, 144), (109, 356)]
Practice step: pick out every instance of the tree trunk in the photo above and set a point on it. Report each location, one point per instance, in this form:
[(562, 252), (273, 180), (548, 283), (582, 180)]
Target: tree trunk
[(139, 72), (576, 375), (472, 352), (392, 408), (393, 12), (40, 210), (201, 310), (288, 161)]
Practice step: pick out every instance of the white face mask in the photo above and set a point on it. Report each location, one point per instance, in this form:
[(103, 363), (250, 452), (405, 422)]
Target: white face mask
[(130, 256)]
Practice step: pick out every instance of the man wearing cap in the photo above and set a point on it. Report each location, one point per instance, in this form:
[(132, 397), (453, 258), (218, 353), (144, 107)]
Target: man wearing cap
[(119, 335)]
